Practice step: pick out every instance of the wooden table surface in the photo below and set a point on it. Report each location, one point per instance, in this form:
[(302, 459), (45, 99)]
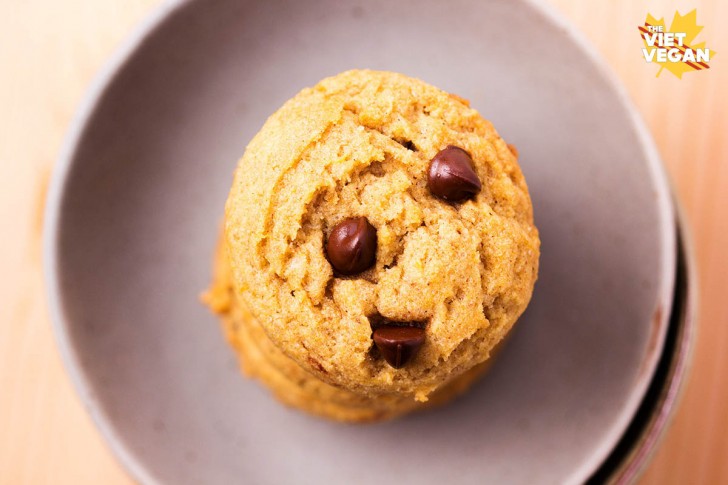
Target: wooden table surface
[(51, 49)]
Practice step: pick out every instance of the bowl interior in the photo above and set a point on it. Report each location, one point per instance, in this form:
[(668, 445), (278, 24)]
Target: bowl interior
[(139, 199)]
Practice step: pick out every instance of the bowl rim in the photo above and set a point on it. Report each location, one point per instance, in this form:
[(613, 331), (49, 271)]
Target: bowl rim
[(101, 82), (666, 212), (125, 53), (629, 459)]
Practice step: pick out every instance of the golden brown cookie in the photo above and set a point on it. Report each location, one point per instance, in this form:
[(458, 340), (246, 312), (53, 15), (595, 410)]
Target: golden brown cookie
[(360, 144)]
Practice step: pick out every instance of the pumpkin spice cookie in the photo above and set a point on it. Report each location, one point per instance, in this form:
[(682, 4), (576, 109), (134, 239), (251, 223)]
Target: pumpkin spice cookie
[(378, 244)]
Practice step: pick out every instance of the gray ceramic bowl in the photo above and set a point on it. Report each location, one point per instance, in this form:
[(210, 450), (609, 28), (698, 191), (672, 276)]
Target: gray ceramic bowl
[(137, 197)]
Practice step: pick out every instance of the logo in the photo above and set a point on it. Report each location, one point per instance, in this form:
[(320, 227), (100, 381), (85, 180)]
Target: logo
[(675, 49)]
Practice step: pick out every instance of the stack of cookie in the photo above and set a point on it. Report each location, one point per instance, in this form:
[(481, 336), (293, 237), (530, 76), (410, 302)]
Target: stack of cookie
[(378, 244)]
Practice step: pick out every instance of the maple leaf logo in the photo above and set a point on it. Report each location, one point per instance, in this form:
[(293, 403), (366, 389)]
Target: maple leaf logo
[(679, 55)]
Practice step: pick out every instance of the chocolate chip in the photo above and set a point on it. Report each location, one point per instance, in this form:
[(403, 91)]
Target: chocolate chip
[(398, 344), (451, 176), (352, 246)]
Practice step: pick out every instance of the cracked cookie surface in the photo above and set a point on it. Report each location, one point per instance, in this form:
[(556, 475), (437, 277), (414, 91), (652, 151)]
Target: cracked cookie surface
[(359, 144)]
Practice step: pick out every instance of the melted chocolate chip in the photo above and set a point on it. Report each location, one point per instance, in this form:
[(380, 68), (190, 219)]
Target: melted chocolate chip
[(352, 246), (451, 176), (398, 344)]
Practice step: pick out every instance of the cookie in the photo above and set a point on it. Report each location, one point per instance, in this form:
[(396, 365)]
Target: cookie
[(380, 237)]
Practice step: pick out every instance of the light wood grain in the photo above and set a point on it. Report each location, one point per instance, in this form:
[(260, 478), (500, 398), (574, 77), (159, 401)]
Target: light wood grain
[(49, 52)]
